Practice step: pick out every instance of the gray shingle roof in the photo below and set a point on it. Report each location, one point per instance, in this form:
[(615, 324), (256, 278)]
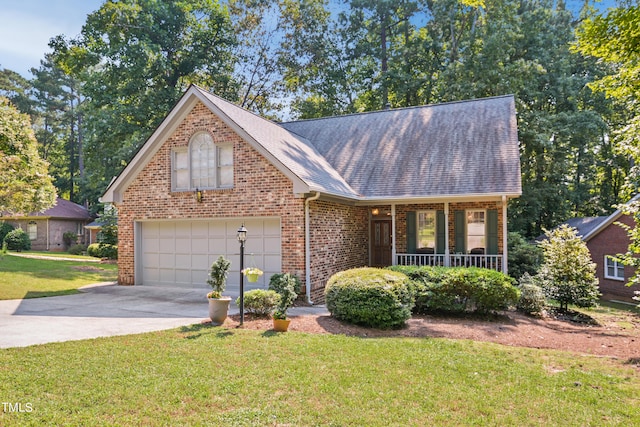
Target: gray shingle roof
[(63, 209), (295, 153), (468, 147)]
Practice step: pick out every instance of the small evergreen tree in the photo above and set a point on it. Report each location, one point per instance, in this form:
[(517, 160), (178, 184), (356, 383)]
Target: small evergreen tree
[(567, 274), (18, 240), (108, 234), (524, 257)]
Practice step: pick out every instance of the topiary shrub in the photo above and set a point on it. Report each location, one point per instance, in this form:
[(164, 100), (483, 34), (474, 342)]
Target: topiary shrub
[(77, 249), (459, 289), (259, 301), (373, 297), (285, 286), (94, 250), (5, 228), (18, 240), (532, 300)]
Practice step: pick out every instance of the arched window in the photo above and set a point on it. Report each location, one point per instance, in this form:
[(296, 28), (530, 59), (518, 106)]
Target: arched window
[(204, 165)]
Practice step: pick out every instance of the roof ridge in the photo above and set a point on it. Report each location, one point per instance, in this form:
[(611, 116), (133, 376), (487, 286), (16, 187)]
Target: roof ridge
[(400, 109)]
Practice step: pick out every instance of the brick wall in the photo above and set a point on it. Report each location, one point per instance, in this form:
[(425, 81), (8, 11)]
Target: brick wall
[(56, 229), (611, 241), (259, 190), (339, 241)]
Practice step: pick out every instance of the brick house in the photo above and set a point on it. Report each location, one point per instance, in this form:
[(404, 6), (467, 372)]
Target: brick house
[(46, 229), (425, 185), (605, 239)]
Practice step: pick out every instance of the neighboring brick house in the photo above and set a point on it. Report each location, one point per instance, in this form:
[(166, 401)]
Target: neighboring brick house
[(605, 239), (426, 185), (46, 229)]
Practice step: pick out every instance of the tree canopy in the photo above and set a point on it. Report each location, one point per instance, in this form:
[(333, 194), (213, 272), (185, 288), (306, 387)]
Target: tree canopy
[(25, 185), (96, 98)]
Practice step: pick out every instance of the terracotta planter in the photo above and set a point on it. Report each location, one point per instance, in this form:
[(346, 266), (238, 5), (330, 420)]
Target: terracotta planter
[(218, 309), (281, 325)]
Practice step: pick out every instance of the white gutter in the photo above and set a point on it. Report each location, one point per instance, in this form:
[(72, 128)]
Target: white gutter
[(307, 246)]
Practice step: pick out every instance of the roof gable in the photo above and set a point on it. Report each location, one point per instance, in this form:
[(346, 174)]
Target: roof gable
[(606, 221), (458, 148)]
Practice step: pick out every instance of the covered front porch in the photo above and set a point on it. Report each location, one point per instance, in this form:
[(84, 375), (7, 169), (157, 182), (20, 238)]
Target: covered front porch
[(461, 233)]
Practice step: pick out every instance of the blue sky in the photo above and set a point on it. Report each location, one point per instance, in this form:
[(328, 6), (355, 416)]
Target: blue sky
[(27, 25)]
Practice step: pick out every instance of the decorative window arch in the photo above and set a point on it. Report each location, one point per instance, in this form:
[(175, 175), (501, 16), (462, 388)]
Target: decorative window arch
[(203, 165)]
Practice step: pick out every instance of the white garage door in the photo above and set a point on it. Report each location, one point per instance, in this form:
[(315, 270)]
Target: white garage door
[(180, 253)]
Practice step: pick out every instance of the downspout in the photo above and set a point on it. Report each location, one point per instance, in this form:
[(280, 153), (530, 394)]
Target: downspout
[(505, 269), (307, 245)]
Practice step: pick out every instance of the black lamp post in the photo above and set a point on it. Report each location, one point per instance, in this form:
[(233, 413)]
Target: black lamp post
[(242, 237)]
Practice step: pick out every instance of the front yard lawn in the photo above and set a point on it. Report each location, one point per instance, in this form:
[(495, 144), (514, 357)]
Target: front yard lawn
[(31, 278), (204, 375)]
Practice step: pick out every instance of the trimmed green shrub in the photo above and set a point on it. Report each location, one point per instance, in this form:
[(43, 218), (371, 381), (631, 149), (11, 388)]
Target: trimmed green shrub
[(77, 249), (5, 228), (18, 240), (372, 297), (459, 289), (259, 301), (532, 300), (94, 250)]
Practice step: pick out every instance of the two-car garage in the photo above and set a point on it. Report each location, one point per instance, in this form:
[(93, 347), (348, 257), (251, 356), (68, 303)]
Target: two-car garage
[(179, 253)]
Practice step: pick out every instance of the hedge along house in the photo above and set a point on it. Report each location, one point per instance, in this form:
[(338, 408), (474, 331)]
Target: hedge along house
[(424, 185)]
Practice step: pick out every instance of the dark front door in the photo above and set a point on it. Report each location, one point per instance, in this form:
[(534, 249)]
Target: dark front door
[(381, 238)]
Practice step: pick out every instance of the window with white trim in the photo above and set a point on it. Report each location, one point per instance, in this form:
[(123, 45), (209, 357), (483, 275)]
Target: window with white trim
[(613, 269), (204, 165), (476, 230), (32, 230), (426, 227)]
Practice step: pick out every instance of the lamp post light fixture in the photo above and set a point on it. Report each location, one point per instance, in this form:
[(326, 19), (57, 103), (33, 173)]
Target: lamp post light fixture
[(242, 237), (198, 195)]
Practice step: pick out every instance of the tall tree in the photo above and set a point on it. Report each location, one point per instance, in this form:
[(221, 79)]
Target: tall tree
[(134, 58), (25, 185)]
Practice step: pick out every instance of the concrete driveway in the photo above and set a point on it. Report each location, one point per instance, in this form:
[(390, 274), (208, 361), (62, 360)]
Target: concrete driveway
[(106, 310), (98, 311)]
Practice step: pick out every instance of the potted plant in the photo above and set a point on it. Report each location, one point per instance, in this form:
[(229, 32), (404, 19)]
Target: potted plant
[(285, 286), (218, 305), (252, 273)]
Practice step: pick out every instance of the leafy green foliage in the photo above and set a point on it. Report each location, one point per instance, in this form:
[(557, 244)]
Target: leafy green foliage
[(567, 274), (372, 297), (94, 250), (77, 249), (26, 184), (260, 302), (5, 228), (285, 286), (108, 234), (532, 300), (69, 238), (218, 276), (459, 289), (524, 257), (17, 240)]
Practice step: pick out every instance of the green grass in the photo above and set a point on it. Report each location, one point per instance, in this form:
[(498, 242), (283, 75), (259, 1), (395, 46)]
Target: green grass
[(32, 278), (203, 375)]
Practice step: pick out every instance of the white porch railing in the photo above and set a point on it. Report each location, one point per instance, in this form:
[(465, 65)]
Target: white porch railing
[(493, 262)]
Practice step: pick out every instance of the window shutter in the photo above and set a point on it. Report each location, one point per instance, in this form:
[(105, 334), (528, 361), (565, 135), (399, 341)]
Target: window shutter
[(460, 226), (440, 230), (492, 231), (411, 232)]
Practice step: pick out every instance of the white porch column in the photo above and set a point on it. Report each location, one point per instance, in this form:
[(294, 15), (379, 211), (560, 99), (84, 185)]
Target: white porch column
[(394, 260), (447, 261), (504, 235)]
